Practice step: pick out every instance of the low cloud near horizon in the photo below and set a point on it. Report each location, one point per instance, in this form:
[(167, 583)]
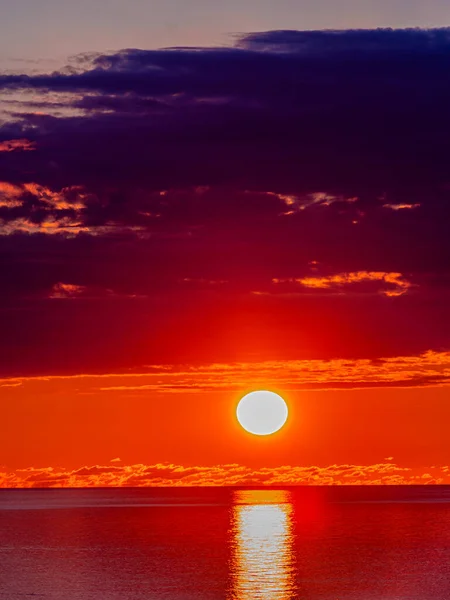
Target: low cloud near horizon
[(168, 475)]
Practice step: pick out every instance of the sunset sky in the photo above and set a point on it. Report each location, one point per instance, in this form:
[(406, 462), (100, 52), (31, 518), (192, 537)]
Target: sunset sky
[(198, 200)]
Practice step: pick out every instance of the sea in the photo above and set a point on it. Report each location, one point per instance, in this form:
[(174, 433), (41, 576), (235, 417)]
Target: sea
[(306, 543)]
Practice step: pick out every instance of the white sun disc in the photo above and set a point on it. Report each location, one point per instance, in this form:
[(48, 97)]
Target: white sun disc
[(262, 412)]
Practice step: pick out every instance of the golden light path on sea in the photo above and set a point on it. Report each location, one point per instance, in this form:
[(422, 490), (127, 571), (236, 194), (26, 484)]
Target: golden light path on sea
[(262, 564)]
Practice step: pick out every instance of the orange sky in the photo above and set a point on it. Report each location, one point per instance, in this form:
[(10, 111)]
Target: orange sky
[(186, 418)]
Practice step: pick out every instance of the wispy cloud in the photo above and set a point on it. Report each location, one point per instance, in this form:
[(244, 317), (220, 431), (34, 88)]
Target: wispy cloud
[(394, 284), (429, 369)]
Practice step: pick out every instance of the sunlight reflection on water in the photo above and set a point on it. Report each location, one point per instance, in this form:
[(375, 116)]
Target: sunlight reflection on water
[(262, 564)]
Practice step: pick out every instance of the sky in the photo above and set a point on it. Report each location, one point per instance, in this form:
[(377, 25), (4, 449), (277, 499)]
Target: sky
[(263, 205), (53, 30)]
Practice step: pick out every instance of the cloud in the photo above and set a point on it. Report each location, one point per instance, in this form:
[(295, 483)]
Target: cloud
[(173, 184), (14, 145), (166, 474), (395, 283), (34, 208), (402, 206), (429, 369), (66, 290), (316, 106)]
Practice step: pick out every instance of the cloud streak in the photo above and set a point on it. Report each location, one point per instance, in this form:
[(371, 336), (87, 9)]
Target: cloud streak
[(429, 369), (396, 284)]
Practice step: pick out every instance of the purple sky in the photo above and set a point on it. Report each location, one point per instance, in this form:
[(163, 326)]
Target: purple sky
[(55, 29)]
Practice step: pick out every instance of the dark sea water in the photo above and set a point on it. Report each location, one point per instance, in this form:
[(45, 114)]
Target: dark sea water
[(306, 543)]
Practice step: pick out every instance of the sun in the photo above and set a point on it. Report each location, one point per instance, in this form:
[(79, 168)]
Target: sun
[(262, 412)]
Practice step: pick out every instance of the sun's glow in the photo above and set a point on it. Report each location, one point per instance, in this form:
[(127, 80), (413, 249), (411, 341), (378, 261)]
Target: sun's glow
[(262, 412)]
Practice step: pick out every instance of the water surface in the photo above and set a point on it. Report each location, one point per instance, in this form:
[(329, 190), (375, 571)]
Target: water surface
[(353, 543)]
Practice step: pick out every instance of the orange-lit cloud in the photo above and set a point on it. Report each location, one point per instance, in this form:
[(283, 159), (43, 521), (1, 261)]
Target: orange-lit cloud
[(402, 206), (50, 226), (166, 474), (10, 195), (50, 211), (67, 290), (396, 283), (12, 145), (73, 197), (44, 210), (429, 369)]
